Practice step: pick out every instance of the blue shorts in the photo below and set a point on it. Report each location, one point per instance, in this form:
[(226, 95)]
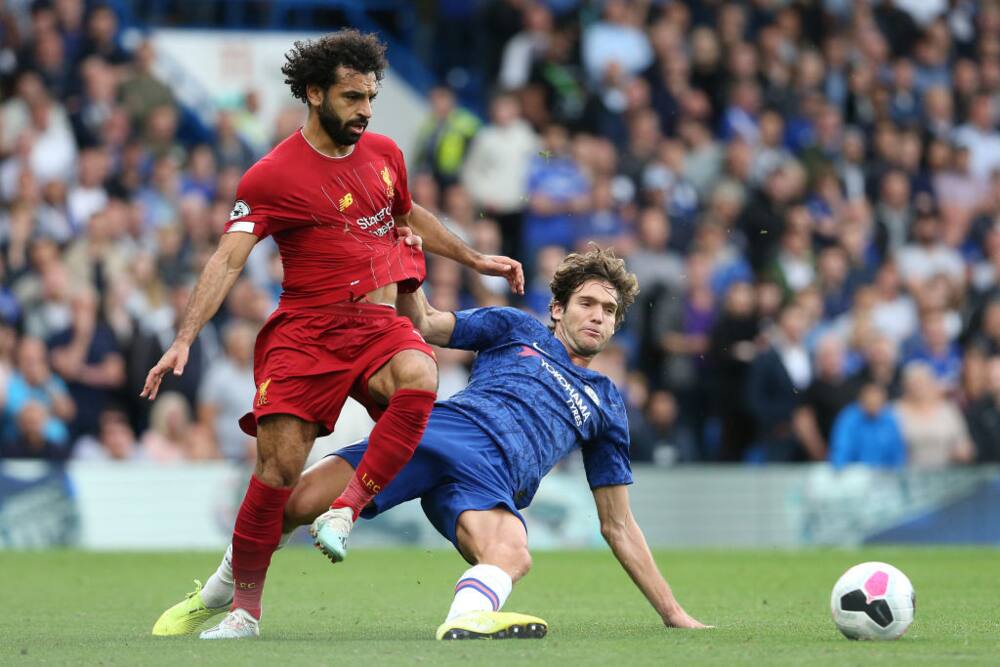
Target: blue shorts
[(455, 468)]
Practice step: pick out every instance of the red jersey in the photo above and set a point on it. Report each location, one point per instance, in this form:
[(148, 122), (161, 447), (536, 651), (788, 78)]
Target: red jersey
[(332, 218)]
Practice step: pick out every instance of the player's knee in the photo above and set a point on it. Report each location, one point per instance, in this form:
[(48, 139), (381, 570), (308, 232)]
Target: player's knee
[(277, 473), (417, 371)]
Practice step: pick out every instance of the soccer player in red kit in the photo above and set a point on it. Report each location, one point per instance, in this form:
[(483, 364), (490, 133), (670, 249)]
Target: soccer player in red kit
[(335, 199)]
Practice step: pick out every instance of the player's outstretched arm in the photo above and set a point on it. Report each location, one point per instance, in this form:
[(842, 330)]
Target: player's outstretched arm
[(623, 535), (434, 325), (215, 281), (438, 240)]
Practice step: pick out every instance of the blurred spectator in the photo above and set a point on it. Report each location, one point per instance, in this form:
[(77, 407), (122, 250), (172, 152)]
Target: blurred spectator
[(538, 295), (524, 48), (147, 347), (141, 91), (928, 256), (227, 390), (102, 37), (894, 313), (762, 220), (652, 261), (732, 348), (617, 41), (980, 136), (684, 324), (559, 195), (496, 169), (793, 267), (444, 137), (880, 365), (934, 347), (34, 384), (984, 417), (828, 394), (231, 150), (115, 440), (87, 357), (49, 312), (173, 436), (33, 438), (867, 432), (88, 196), (774, 388), (655, 438), (934, 430), (893, 214)]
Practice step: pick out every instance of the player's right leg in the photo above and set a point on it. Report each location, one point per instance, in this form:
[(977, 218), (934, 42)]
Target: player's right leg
[(283, 443), (323, 481), (496, 543)]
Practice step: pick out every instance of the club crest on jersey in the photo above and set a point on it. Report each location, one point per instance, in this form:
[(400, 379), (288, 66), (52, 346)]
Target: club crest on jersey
[(240, 209), (345, 201), (387, 178), (262, 392)]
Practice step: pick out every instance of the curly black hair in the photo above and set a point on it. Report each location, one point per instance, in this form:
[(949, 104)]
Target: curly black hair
[(315, 62)]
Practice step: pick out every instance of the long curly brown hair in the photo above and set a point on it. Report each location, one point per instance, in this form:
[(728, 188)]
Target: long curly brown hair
[(595, 264)]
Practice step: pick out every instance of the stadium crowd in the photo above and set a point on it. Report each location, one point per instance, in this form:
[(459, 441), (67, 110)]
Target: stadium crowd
[(808, 191)]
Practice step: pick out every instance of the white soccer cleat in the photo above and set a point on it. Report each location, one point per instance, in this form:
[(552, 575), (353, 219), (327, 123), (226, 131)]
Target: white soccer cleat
[(330, 531), (238, 624)]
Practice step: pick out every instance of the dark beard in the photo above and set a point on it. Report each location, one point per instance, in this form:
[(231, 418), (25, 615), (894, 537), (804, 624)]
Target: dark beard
[(336, 129)]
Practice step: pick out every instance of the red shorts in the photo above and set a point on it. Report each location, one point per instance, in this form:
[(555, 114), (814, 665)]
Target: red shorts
[(307, 362)]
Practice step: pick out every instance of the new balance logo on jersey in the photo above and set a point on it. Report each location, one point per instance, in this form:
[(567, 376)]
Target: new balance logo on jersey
[(345, 201)]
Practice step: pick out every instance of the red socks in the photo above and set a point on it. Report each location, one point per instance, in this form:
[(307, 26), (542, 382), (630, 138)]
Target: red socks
[(255, 537), (390, 447)]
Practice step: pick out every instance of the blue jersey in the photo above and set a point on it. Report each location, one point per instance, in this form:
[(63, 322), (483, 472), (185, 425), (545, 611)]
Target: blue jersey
[(535, 404)]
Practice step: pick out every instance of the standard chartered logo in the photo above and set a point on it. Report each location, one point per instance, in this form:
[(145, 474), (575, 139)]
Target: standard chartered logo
[(579, 409), (377, 219)]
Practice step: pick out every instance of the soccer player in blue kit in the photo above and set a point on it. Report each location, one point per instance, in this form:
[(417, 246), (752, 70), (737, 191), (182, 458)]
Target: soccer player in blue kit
[(530, 401)]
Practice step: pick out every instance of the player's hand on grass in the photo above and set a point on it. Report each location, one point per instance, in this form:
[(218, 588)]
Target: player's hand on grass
[(681, 619), (175, 358), (498, 265)]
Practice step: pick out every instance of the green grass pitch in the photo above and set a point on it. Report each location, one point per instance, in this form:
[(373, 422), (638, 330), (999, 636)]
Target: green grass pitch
[(382, 607)]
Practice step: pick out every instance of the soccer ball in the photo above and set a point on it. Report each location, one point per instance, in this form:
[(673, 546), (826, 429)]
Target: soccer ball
[(873, 601)]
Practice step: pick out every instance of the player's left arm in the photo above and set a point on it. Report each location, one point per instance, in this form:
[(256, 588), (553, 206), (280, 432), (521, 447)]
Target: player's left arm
[(434, 325), (623, 535), (438, 240)]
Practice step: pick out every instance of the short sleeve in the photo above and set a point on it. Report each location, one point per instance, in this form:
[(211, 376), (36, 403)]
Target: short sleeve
[(605, 459), (483, 328), (402, 203), (255, 210)]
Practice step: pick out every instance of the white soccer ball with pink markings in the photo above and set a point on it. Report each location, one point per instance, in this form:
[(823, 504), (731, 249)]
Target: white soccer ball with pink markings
[(873, 601)]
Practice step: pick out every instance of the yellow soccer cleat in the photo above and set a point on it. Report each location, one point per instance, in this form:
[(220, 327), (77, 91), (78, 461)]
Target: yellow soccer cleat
[(493, 625), (185, 617)]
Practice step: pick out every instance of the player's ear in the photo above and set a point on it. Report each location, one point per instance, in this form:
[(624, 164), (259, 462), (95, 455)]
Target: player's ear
[(315, 94), (556, 311)]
